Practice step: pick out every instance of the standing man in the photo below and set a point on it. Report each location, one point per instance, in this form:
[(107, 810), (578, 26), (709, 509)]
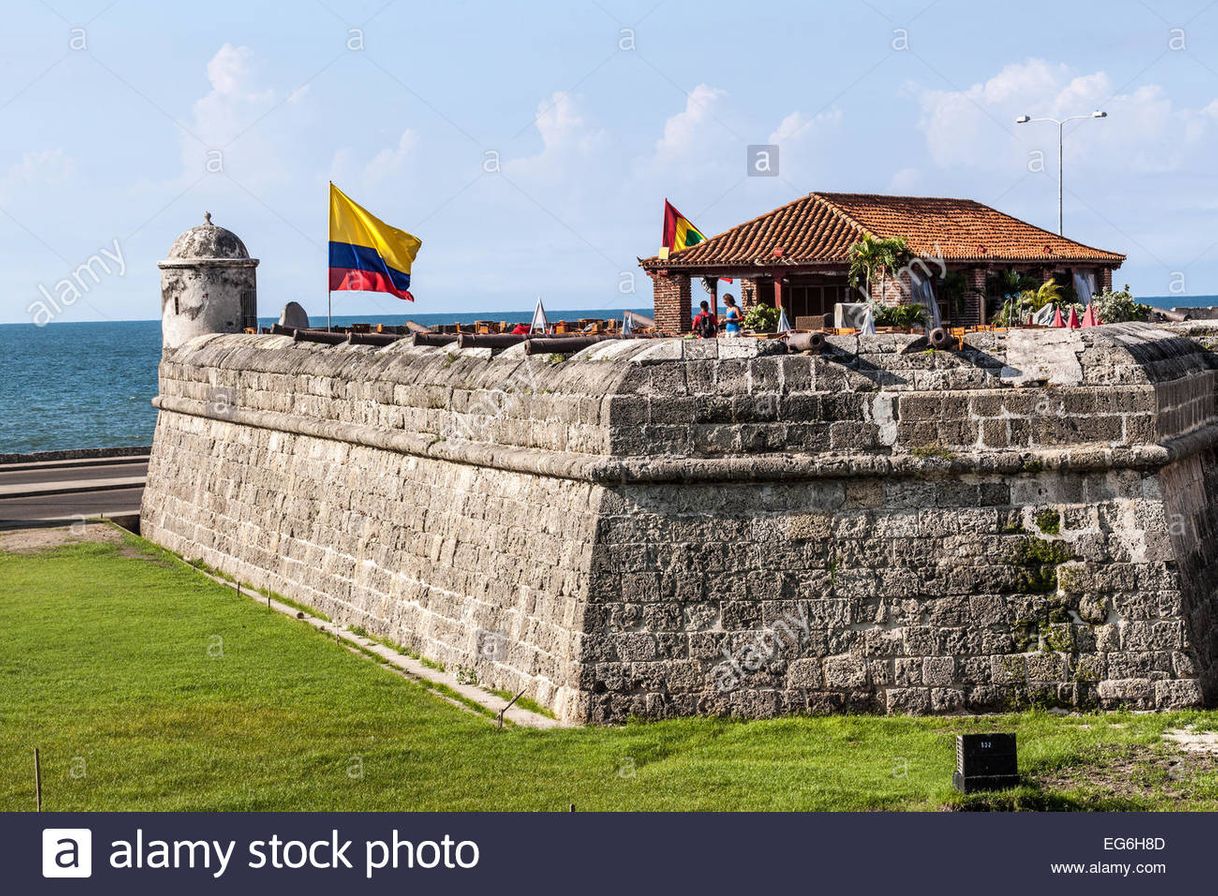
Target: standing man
[(706, 325)]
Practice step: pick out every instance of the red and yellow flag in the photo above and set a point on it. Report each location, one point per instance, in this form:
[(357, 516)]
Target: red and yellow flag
[(679, 232)]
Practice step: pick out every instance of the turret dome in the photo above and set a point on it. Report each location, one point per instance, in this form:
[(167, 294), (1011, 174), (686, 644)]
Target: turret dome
[(208, 240)]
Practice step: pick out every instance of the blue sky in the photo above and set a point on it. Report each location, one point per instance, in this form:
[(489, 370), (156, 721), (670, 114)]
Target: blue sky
[(530, 145)]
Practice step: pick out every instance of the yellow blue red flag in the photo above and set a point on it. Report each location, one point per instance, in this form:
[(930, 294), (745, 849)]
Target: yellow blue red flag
[(365, 252)]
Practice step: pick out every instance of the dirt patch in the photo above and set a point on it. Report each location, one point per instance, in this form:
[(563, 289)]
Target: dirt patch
[(1134, 770), (1190, 740), (1132, 777), (35, 541)]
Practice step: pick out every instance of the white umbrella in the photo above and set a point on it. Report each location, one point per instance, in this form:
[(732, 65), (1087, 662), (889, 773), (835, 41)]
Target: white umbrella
[(784, 325), (627, 324), (540, 323)]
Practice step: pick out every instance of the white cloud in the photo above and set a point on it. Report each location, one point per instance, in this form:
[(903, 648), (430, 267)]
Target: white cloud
[(907, 181), (799, 127), (806, 147), (234, 98), (389, 162), (686, 133), (1145, 131), (567, 141), (46, 167), (227, 120)]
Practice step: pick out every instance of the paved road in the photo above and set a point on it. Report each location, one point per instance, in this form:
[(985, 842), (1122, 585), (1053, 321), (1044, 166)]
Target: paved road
[(69, 490)]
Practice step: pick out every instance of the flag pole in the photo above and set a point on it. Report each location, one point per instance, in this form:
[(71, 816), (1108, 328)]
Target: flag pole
[(329, 289)]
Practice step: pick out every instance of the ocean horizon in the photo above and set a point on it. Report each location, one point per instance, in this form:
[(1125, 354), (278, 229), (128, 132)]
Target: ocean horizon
[(90, 384)]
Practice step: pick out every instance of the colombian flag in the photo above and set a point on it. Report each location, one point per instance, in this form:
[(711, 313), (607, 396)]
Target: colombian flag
[(679, 233), (365, 252)]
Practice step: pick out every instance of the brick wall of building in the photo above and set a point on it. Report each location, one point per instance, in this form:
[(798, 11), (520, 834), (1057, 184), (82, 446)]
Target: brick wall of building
[(672, 300)]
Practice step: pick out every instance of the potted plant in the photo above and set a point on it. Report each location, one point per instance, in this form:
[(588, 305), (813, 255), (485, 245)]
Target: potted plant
[(761, 319), (899, 318)]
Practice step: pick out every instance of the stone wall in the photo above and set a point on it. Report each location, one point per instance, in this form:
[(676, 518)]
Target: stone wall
[(664, 527)]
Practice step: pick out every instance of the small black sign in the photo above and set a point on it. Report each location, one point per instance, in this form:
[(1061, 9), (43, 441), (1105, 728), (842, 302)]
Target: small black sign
[(985, 762)]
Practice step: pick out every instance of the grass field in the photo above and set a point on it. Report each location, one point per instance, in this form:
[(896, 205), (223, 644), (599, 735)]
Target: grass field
[(147, 686)]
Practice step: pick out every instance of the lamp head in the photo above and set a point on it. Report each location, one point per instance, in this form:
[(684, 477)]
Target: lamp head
[(1098, 114), (1023, 119)]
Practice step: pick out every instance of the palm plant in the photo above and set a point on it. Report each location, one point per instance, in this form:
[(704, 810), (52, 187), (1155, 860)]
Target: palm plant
[(871, 255), (1017, 307), (1049, 292)]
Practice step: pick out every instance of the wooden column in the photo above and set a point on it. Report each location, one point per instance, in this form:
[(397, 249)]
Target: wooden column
[(974, 290)]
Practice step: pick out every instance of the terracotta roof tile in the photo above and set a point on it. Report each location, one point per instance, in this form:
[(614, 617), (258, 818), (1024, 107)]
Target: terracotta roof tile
[(820, 228)]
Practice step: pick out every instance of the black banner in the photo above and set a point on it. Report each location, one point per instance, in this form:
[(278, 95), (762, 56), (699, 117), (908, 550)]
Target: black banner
[(591, 853)]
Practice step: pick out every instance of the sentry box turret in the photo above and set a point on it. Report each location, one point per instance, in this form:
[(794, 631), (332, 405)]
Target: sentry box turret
[(985, 762)]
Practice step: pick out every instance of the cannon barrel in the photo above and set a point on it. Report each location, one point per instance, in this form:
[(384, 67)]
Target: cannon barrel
[(489, 340), (326, 337), (561, 345), (434, 339), (806, 342), (374, 338), (940, 338)]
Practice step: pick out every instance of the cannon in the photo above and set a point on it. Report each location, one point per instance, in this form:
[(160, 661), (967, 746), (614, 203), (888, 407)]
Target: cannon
[(806, 342), (374, 338), (940, 338), (489, 340), (325, 337), (434, 339), (561, 345)]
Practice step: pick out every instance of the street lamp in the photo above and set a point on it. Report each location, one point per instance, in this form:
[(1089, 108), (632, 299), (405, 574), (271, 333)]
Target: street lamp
[(1061, 123)]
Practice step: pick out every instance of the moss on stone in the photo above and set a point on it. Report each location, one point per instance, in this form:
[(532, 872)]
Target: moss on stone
[(1049, 521), (1058, 637), (1037, 560), (936, 450)]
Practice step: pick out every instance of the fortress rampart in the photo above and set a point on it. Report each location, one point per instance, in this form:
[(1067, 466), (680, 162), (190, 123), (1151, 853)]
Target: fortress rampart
[(663, 527)]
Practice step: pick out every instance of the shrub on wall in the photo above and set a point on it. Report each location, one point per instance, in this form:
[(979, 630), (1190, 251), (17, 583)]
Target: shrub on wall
[(899, 315), (1118, 307), (761, 319)]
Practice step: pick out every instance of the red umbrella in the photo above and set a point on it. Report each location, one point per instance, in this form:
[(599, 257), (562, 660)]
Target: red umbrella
[(1089, 318), (1057, 318), (1073, 322)]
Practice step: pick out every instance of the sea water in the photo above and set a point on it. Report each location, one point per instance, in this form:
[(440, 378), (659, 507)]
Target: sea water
[(90, 385)]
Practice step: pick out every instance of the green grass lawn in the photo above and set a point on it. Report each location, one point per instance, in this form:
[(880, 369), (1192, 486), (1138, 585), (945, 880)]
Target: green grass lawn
[(146, 685)]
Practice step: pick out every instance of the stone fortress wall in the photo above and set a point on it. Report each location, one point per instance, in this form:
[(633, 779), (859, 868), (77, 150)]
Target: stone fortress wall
[(659, 528)]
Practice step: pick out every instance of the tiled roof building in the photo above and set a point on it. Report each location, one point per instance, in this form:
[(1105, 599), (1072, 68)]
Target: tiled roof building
[(797, 255)]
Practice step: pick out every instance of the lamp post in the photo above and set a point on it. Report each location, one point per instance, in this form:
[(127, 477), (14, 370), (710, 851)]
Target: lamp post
[(1061, 123)]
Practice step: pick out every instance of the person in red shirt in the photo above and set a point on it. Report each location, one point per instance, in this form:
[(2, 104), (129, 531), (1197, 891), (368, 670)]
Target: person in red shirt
[(706, 324)]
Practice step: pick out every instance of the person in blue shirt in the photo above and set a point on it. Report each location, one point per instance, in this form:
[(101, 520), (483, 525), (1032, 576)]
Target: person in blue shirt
[(732, 316)]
